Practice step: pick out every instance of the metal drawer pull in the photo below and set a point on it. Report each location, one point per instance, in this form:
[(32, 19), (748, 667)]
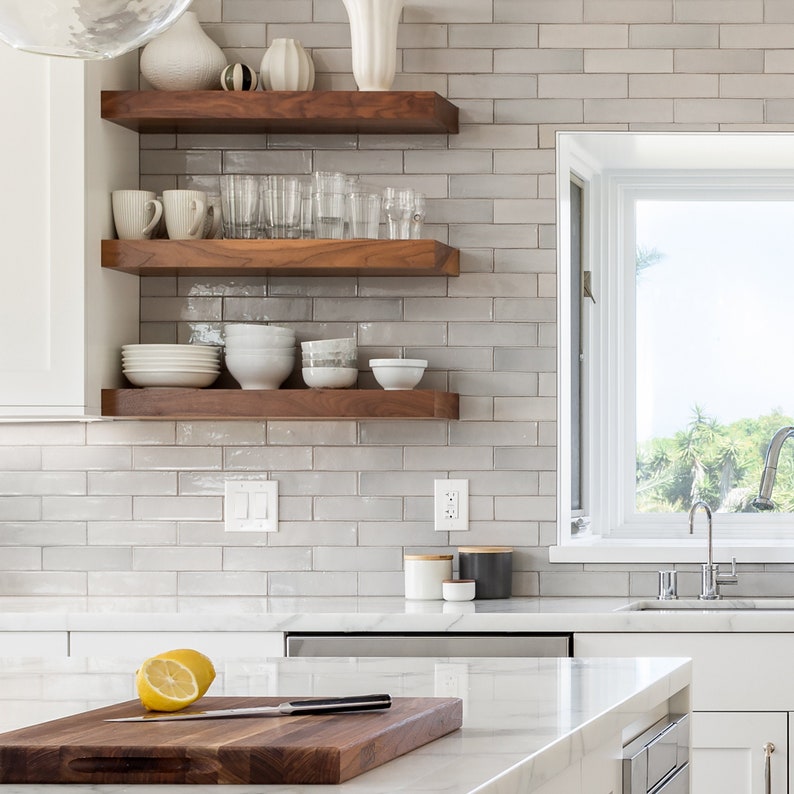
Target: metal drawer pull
[(768, 748)]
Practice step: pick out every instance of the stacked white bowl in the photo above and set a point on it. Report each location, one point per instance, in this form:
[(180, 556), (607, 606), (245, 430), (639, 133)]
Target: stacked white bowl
[(186, 366), (330, 363), (259, 356)]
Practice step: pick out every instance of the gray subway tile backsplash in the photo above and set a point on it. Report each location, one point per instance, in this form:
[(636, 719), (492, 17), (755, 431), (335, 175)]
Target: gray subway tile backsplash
[(132, 512)]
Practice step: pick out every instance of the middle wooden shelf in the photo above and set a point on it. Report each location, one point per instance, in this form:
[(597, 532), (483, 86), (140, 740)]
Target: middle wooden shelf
[(281, 257)]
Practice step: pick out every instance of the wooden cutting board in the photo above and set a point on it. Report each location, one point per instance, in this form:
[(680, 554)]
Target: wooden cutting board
[(328, 748)]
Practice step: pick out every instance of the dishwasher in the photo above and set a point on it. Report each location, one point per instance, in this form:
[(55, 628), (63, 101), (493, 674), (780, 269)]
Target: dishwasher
[(420, 644)]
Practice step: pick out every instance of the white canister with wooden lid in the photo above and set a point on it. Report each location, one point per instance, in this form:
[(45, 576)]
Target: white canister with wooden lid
[(424, 574)]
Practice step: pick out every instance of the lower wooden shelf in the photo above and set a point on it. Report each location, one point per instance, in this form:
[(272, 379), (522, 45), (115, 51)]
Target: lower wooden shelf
[(278, 404)]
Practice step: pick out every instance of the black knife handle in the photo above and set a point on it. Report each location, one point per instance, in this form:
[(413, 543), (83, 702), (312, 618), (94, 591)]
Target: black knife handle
[(327, 705)]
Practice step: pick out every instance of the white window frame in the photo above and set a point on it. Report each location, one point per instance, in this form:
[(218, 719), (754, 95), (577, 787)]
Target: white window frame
[(618, 533)]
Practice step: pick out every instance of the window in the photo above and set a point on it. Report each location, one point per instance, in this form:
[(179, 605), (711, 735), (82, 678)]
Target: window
[(674, 378)]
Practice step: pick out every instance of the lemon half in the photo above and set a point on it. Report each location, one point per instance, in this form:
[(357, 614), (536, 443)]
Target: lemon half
[(174, 679)]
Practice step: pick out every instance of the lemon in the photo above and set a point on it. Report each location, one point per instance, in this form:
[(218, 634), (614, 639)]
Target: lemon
[(174, 679), (198, 664)]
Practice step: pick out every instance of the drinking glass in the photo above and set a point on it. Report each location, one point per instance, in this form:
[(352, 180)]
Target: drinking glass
[(363, 211), (418, 216), (241, 206), (329, 215), (281, 206), (398, 206)]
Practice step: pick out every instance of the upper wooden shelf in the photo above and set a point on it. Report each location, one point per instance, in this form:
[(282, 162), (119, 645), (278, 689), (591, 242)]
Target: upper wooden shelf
[(312, 112), (281, 257), (279, 404)]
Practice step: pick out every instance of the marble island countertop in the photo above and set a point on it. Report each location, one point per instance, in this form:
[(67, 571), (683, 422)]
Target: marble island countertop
[(398, 615), (525, 721)]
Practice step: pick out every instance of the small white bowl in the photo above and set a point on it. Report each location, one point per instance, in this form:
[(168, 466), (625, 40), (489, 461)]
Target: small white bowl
[(398, 373), (329, 377), (259, 372), (348, 343)]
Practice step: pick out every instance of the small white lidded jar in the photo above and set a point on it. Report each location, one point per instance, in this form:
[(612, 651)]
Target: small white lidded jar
[(458, 589), (424, 574)]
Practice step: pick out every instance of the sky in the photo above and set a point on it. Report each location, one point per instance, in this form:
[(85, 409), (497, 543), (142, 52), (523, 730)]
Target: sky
[(714, 316)]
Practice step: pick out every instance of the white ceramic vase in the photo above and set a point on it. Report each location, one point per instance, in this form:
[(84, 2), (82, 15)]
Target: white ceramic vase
[(286, 66), (373, 38), (184, 58)]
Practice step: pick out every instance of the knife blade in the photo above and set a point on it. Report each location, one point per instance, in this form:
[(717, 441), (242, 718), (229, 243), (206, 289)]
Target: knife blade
[(315, 706)]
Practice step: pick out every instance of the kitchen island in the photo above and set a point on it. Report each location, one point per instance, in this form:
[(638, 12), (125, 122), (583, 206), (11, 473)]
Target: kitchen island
[(540, 725)]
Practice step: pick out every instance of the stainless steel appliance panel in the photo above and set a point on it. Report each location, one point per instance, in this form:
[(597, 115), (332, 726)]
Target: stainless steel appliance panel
[(513, 645)]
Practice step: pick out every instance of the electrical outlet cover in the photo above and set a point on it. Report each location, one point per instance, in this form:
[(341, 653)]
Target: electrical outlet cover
[(451, 505)]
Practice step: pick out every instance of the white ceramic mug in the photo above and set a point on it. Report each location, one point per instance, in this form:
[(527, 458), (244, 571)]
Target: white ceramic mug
[(136, 213), (185, 213)]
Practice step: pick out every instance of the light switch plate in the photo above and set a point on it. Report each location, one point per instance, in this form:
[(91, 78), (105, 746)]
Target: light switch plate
[(251, 506)]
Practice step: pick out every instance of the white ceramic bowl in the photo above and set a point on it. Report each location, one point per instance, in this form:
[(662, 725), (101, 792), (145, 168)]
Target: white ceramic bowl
[(329, 377), (398, 373), (247, 343), (259, 372), (348, 343), (191, 380), (253, 331), (262, 355)]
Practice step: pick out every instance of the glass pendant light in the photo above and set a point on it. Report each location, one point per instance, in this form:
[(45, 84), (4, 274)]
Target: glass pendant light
[(89, 29)]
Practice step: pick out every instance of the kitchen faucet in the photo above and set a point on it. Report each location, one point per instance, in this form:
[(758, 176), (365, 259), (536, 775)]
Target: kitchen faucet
[(710, 576), (764, 499)]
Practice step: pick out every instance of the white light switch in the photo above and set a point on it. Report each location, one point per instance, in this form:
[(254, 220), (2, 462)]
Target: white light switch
[(251, 506)]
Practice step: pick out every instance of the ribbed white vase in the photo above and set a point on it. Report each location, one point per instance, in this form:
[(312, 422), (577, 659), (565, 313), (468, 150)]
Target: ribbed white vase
[(373, 38), (184, 58), (286, 66)]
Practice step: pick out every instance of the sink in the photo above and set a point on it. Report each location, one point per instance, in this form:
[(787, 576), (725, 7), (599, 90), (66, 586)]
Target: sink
[(723, 604)]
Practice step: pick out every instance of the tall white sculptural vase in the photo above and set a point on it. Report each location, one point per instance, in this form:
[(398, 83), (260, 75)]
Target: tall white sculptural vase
[(373, 38)]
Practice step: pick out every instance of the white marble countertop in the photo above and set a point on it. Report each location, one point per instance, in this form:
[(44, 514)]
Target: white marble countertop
[(394, 614), (525, 720)]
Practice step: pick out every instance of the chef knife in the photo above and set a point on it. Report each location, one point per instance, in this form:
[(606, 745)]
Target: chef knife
[(316, 706)]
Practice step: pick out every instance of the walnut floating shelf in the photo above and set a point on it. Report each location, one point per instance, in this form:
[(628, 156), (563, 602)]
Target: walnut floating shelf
[(307, 112), (278, 404), (281, 257)]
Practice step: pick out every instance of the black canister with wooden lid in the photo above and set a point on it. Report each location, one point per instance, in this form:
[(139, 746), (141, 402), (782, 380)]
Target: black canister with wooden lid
[(491, 567)]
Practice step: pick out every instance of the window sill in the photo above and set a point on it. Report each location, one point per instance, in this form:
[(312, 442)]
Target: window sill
[(689, 550)]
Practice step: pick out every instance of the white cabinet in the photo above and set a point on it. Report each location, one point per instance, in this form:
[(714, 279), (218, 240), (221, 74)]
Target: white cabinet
[(728, 752), (742, 689), (62, 319)]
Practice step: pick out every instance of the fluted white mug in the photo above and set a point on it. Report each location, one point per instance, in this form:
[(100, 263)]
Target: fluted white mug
[(136, 213), (185, 213)]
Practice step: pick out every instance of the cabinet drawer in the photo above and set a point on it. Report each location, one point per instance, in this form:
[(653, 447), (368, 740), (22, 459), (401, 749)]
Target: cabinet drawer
[(34, 643), (215, 644)]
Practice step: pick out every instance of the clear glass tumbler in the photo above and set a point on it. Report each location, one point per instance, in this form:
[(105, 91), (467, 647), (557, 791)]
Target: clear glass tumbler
[(363, 213), (398, 206), (418, 216), (281, 205), (241, 206), (329, 215)]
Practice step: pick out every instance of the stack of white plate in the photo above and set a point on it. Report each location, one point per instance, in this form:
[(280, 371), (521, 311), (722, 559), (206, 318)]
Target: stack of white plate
[(187, 366), (259, 356)]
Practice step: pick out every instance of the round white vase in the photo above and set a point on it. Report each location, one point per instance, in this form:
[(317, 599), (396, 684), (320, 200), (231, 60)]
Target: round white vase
[(184, 58), (373, 39), (286, 66)]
